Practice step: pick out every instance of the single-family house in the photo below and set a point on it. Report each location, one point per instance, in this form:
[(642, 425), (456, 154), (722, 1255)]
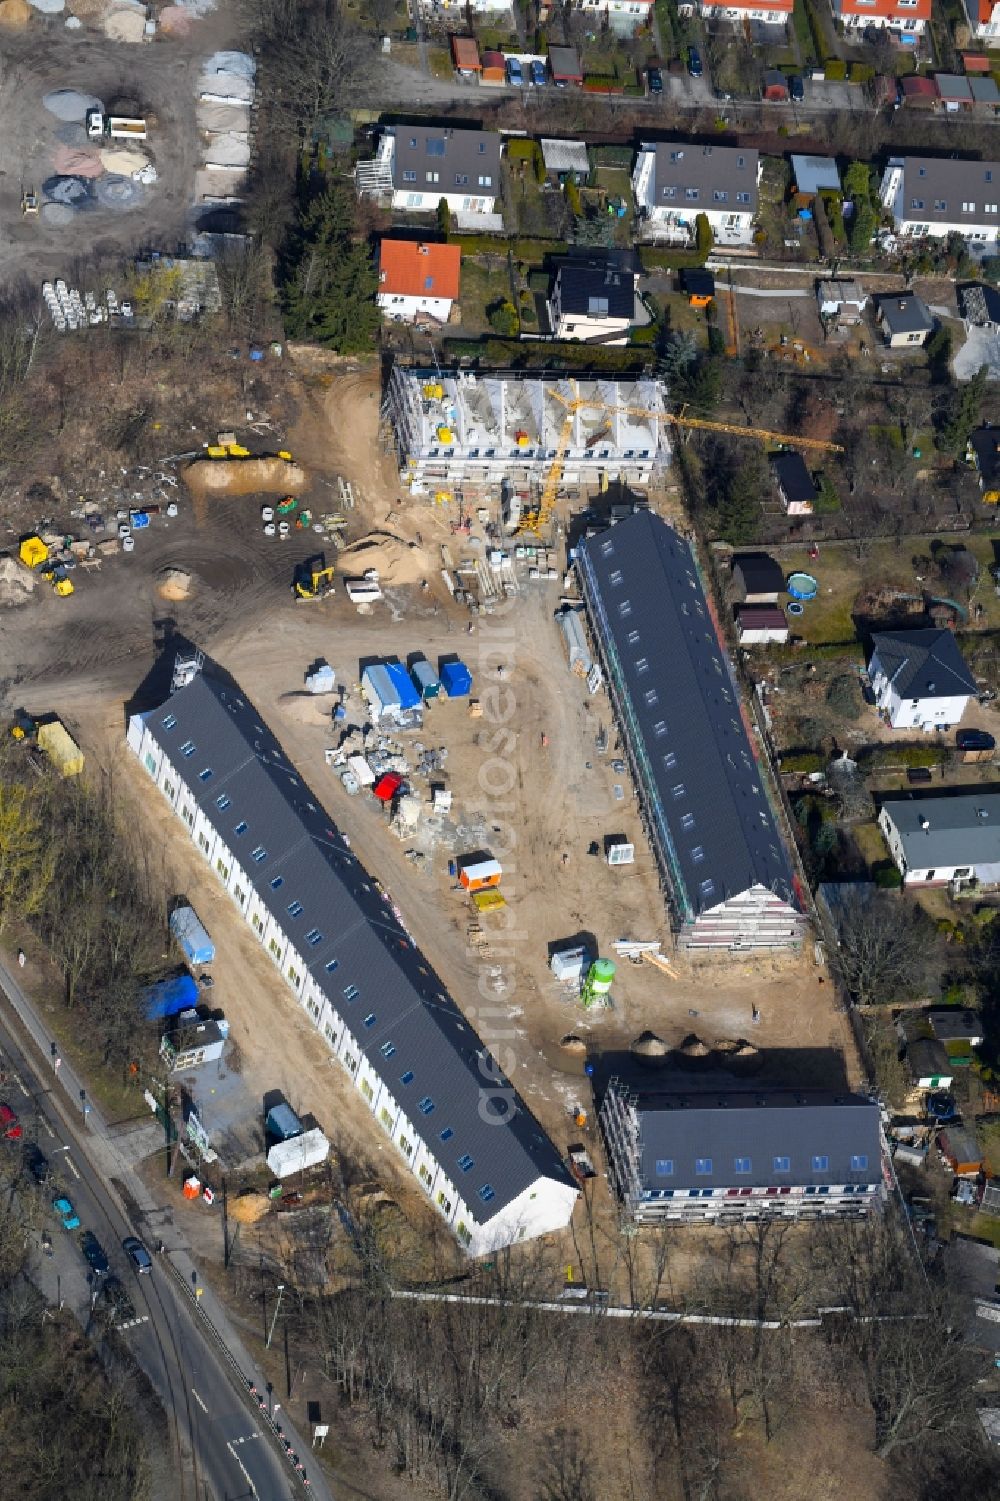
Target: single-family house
[(564, 66), (796, 486), (939, 196), (905, 18), (980, 307), (984, 18), (416, 279), (593, 298), (775, 86), (415, 166), (465, 57), (919, 679), (928, 1064), (736, 12), (961, 1150), (563, 159), (937, 840), (637, 11), (956, 1024), (699, 286), (843, 300), (757, 579), (761, 625), (984, 452), (812, 175), (674, 181), (904, 319)]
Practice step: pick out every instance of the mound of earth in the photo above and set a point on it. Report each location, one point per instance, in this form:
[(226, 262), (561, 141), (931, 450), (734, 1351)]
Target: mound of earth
[(393, 559), (248, 1208), (174, 584), (270, 476), (16, 584), (648, 1045), (306, 708), (573, 1044), (15, 14)]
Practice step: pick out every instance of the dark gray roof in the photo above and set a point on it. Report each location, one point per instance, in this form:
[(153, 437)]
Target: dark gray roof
[(985, 443), (565, 62), (597, 288), (815, 174), (935, 190), (792, 474), (922, 664), (693, 1131), (954, 1024), (927, 1058), (904, 313), (454, 154), (759, 572), (646, 601), (980, 304), (944, 832), (708, 173), (348, 936)]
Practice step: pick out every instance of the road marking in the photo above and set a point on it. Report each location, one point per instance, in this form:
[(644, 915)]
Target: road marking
[(131, 1323), (246, 1473), (198, 1400), (20, 1084), (47, 1126), (72, 1167)]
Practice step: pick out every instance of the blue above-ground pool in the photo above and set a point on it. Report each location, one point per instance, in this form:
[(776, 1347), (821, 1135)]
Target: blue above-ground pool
[(802, 586)]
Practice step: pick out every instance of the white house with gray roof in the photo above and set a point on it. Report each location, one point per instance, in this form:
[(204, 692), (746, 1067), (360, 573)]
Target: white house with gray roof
[(736, 1153), (919, 679), (674, 181), (940, 196), (341, 948), (937, 840), (415, 166)]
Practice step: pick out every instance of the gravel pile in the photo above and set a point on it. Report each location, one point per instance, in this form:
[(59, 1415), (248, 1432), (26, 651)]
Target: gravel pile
[(69, 104)]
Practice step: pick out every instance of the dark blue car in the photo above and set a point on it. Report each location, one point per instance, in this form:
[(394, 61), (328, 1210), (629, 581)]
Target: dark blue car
[(694, 62), (538, 79)]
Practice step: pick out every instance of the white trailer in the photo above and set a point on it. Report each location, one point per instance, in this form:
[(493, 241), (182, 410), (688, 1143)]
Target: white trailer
[(298, 1153)]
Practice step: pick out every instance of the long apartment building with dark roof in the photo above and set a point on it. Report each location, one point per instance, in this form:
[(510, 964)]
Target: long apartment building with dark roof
[(723, 863), (427, 1078)]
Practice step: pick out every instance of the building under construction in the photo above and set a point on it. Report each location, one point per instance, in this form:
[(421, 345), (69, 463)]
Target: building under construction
[(461, 429)]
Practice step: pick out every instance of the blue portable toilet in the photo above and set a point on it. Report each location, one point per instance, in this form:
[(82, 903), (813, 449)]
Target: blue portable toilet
[(456, 679)]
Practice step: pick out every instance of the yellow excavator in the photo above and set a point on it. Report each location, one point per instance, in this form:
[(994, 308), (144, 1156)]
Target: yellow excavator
[(313, 579)]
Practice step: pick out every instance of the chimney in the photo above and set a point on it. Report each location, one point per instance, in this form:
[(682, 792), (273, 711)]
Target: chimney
[(924, 823)]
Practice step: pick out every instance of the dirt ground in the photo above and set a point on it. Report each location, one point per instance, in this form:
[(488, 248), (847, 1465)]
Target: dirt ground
[(160, 79)]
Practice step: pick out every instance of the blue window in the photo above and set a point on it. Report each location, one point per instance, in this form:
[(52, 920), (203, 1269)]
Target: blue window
[(742, 1165), (810, 1189), (222, 801), (859, 1164), (703, 1166), (782, 1164), (664, 1167), (406, 1078), (331, 965), (370, 1019), (447, 1134), (278, 881), (314, 936), (295, 909), (351, 992), (169, 721), (694, 1193), (426, 1105), (486, 1193), (260, 853), (821, 1164), (825, 1189), (240, 828), (187, 749), (466, 1163), (387, 1049), (203, 776)]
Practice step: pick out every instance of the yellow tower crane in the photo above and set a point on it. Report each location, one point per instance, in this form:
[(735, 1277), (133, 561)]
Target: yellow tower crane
[(533, 521)]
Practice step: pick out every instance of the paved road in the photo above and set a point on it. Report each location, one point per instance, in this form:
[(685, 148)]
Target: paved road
[(224, 1451)]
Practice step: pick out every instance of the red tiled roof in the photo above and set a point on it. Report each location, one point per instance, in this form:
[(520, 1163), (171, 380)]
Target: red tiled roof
[(465, 53), (890, 9), (407, 269)]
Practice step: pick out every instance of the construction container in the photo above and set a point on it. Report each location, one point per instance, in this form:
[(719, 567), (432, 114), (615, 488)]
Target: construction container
[(296, 1153), (323, 680), (570, 623), (168, 997), (456, 679), (427, 682), (33, 551), (192, 936), (568, 965), (481, 875), (60, 747)]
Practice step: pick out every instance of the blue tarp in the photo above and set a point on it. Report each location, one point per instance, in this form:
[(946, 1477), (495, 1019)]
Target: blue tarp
[(409, 698), (456, 679), (168, 997), (192, 936)]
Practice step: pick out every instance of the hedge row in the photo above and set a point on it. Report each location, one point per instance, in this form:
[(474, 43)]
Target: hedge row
[(803, 761), (892, 757), (494, 353), (826, 651), (653, 259), (522, 249)]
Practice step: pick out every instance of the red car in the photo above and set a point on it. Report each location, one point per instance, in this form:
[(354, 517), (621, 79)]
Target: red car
[(9, 1124)]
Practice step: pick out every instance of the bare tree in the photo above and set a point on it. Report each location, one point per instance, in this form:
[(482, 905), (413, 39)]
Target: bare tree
[(886, 947)]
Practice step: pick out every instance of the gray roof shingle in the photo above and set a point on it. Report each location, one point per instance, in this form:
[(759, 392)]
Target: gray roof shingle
[(922, 664), (935, 190), (459, 157), (707, 172), (942, 832)]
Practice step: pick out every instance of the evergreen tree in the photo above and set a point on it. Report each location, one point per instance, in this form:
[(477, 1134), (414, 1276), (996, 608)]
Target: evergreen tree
[(329, 283)]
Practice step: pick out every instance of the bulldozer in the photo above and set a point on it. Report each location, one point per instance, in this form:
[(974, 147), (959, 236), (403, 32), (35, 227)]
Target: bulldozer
[(313, 578)]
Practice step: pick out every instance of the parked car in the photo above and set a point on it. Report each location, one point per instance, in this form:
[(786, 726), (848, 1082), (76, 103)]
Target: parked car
[(974, 740), (694, 62), (514, 74), (64, 1209), (137, 1254), (654, 78), (94, 1252), (36, 1162), (9, 1125), (916, 774), (538, 79), (796, 88)]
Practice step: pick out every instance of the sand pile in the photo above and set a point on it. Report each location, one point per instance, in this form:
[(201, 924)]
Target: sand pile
[(123, 163), (118, 192), (395, 561), (305, 708), (70, 104), (48, 7), (224, 117), (244, 477), (240, 63), (174, 584), (225, 87), (16, 584), (248, 1208), (175, 21), (57, 213), (71, 161), (573, 1044), (228, 150), (126, 25), (14, 14), (648, 1045)]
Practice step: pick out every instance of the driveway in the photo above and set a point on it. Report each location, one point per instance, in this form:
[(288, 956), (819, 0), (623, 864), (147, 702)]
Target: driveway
[(981, 347)]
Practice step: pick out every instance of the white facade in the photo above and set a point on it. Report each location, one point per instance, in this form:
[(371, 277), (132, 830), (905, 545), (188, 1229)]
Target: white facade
[(544, 1205), (734, 10), (914, 214), (917, 870), (730, 212), (402, 309), (927, 714), (604, 330), (423, 195)]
